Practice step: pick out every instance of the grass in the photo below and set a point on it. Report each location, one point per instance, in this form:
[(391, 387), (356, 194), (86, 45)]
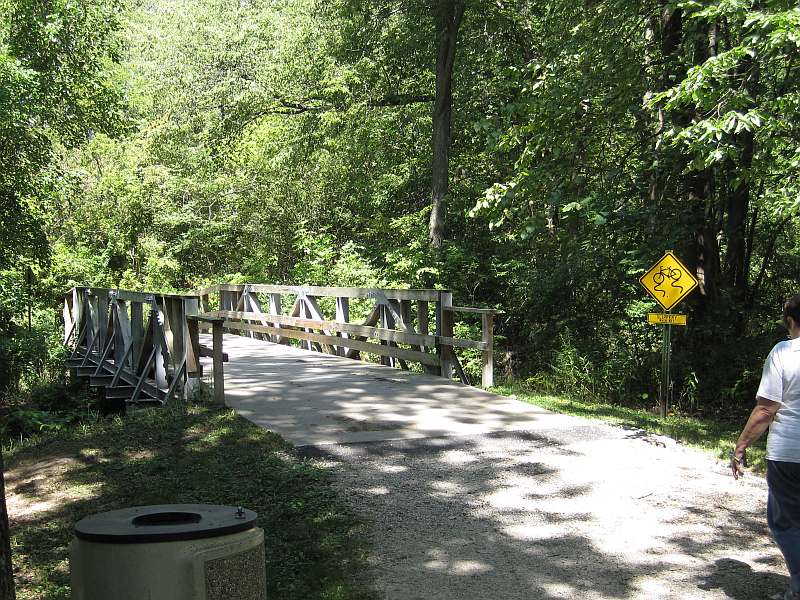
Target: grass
[(716, 437), (314, 544)]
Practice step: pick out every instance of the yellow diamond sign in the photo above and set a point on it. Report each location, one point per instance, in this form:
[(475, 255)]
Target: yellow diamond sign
[(668, 281)]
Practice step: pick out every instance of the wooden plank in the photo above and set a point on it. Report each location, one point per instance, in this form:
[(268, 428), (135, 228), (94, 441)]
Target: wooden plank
[(219, 372), (342, 316), (213, 289), (487, 357), (423, 321), (390, 335), (480, 311), (410, 355), (131, 296), (445, 330), (137, 333), (341, 292), (276, 308), (120, 391), (193, 349), (405, 315), (387, 323), (100, 380), (119, 314)]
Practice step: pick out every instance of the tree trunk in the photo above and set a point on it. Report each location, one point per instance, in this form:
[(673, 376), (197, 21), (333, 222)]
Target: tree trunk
[(701, 186), (665, 30), (7, 590), (448, 15), (736, 269)]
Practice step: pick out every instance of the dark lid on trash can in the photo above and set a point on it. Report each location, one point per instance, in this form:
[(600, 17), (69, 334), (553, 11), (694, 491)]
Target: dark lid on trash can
[(164, 523)]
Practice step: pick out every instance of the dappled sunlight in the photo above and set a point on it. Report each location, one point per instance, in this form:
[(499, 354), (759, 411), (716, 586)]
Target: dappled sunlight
[(319, 398), (440, 561), (446, 489), (166, 457), (457, 457), (580, 513), (393, 469)]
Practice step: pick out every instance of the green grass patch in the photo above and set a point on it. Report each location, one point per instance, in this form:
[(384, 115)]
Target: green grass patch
[(717, 437), (314, 544)]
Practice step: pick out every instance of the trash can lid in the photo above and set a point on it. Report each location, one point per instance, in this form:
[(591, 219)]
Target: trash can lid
[(164, 523)]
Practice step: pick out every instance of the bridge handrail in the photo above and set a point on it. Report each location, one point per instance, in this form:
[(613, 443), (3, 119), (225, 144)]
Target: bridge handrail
[(426, 295), (109, 328)]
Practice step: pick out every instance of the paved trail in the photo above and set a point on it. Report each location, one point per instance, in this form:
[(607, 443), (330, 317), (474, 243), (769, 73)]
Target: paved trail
[(475, 496), (582, 511)]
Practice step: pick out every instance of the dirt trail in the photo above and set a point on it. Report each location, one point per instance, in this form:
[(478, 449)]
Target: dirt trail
[(582, 511)]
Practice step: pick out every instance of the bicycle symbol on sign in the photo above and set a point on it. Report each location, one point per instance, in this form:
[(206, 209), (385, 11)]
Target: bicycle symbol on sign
[(665, 274)]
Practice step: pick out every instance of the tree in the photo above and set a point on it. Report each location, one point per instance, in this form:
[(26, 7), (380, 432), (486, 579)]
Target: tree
[(56, 88), (447, 16)]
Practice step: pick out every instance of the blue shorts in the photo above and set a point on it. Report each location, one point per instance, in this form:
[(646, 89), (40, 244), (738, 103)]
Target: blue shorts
[(783, 513)]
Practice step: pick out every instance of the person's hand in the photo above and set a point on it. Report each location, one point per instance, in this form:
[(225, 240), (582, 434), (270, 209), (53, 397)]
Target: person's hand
[(738, 462)]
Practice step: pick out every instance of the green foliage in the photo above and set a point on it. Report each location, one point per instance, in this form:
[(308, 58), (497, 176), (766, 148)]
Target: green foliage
[(289, 142)]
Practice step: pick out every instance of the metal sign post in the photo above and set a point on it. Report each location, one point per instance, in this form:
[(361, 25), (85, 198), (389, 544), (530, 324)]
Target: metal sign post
[(668, 282), (665, 380)]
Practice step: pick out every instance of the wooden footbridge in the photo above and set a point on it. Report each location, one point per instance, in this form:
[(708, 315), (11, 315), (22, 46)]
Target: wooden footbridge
[(317, 365), (140, 347)]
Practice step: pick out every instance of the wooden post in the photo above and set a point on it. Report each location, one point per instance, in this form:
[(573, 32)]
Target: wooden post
[(385, 360), (342, 316), (487, 356), (219, 374), (137, 334), (444, 326), (275, 309), (102, 323), (194, 369)]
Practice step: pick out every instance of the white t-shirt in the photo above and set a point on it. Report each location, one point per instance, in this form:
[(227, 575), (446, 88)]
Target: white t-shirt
[(780, 382)]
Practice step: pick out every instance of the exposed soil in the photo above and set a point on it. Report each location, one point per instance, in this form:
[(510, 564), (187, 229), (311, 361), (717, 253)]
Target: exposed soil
[(582, 511)]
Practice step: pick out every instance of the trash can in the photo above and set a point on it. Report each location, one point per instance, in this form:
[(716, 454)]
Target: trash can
[(169, 552)]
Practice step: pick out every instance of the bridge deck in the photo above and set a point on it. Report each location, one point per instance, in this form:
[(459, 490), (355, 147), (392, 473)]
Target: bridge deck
[(314, 398)]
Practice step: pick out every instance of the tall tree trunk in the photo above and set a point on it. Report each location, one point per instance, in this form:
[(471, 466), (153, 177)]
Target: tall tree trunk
[(701, 185), (448, 15), (736, 267), (665, 69), (7, 590)]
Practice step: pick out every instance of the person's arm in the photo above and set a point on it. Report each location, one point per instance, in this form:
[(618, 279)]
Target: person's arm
[(760, 419)]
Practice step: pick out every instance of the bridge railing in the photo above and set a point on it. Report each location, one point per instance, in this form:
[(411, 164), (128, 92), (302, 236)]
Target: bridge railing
[(133, 344), (143, 347), (399, 326)]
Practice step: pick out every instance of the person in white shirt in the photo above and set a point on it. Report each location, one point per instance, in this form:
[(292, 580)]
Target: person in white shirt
[(778, 408)]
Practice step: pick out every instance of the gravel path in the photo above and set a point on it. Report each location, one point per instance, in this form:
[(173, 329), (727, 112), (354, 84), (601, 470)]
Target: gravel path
[(584, 510)]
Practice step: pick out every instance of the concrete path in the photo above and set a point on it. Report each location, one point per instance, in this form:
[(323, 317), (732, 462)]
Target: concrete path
[(313, 398), (471, 495)]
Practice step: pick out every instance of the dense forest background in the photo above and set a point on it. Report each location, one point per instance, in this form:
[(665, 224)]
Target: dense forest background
[(534, 156)]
